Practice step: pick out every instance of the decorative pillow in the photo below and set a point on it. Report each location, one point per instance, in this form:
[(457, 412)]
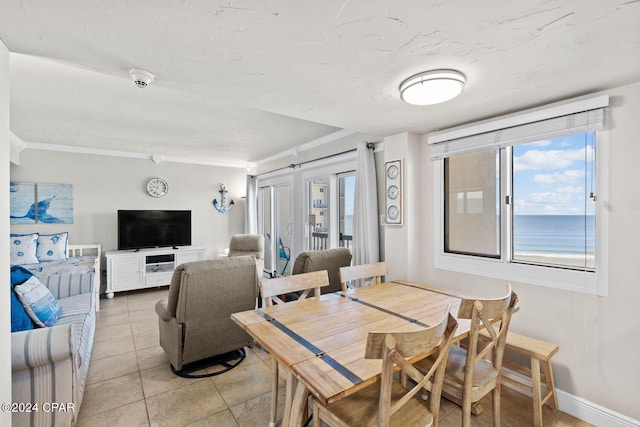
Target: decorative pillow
[(23, 248), (52, 247), (20, 320), (38, 302)]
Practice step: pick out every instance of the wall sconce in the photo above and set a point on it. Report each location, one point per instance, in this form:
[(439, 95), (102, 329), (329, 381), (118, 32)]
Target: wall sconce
[(222, 206)]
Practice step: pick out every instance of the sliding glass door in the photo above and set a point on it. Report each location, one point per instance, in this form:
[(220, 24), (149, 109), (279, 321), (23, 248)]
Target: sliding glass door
[(274, 223)]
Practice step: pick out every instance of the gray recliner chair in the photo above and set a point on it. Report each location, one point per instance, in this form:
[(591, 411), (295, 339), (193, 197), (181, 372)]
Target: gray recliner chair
[(195, 321), (248, 244), (329, 259)]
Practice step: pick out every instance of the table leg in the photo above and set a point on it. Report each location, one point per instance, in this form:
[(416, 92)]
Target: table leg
[(299, 405), (288, 399)]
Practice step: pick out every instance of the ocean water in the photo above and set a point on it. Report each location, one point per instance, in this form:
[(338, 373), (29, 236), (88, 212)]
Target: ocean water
[(564, 235)]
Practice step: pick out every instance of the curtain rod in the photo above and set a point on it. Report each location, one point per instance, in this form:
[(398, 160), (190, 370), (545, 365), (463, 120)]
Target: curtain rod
[(370, 146)]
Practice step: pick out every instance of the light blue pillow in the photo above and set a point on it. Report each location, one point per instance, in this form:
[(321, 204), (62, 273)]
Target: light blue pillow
[(38, 302), (52, 247), (23, 249)]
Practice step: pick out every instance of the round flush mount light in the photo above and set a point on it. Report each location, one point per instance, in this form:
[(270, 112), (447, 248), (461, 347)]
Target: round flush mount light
[(432, 87)]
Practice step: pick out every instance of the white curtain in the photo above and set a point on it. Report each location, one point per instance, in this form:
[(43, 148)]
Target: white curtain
[(251, 211), (365, 211)]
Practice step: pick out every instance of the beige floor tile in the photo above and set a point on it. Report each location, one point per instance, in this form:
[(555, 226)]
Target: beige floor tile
[(113, 305), (112, 367), (112, 333), (104, 319), (132, 415), (160, 379), (146, 340), (244, 382), (145, 326), (256, 411), (108, 348), (221, 419), (185, 405), (111, 394), (151, 357)]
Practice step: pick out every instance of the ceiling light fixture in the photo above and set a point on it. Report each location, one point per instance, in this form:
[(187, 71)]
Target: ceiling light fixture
[(432, 87), (141, 78)]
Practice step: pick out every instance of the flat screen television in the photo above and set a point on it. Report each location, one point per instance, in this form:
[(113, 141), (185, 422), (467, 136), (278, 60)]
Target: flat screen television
[(138, 229)]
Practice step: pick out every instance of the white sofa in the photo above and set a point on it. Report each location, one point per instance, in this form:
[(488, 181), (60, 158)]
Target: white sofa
[(50, 365)]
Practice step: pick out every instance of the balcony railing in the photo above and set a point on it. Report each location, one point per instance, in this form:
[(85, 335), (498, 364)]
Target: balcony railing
[(320, 240)]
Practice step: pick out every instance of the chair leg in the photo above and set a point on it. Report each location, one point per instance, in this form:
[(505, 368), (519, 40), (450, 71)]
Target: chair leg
[(274, 393), (496, 405), (551, 387), (536, 392), (316, 421), (466, 412)]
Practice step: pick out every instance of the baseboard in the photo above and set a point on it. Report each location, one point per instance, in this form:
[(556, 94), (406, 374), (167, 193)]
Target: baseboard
[(581, 408), (592, 412)]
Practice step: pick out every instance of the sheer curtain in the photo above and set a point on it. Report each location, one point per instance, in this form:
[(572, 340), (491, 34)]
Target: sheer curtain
[(365, 210), (251, 211)]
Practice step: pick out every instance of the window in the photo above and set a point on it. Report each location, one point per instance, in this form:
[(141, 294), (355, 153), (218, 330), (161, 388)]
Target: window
[(522, 202)]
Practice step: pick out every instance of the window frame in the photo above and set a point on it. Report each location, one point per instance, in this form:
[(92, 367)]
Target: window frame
[(582, 281)]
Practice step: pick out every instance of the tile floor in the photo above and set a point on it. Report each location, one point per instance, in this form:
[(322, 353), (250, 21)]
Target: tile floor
[(130, 383)]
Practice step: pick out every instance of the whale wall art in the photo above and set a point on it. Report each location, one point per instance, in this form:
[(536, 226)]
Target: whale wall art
[(32, 203)]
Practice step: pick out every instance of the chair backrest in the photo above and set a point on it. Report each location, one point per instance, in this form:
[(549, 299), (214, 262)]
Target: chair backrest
[(328, 259), (284, 252), (247, 244), (271, 289), (494, 315), (394, 348), (371, 273)]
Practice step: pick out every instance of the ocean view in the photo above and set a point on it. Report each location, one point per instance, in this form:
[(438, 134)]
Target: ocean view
[(555, 239)]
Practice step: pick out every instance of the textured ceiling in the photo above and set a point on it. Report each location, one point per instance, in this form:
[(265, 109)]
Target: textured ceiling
[(244, 80)]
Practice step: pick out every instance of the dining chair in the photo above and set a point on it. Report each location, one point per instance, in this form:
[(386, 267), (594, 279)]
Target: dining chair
[(387, 402), (370, 273), (272, 290), (473, 372)]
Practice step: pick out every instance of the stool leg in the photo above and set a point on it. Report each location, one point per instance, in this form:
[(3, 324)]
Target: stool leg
[(537, 392), (551, 387)]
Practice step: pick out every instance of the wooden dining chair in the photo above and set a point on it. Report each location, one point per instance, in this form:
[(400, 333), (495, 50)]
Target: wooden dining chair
[(387, 402), (272, 290), (370, 273), (473, 372)]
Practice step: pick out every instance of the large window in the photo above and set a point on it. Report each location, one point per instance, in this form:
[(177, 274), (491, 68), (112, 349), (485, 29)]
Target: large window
[(523, 202)]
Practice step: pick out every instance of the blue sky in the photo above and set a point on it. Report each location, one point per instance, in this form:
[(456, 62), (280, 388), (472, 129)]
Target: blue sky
[(550, 176)]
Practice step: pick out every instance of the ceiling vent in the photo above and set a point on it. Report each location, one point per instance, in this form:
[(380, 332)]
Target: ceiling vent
[(141, 78)]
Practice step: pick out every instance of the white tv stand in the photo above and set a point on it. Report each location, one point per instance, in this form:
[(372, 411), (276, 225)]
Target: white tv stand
[(145, 268)]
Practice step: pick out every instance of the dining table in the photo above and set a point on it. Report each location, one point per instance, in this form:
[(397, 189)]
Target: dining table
[(320, 341)]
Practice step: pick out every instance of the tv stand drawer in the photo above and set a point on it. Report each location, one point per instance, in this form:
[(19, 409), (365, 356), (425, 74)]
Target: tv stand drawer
[(158, 279)]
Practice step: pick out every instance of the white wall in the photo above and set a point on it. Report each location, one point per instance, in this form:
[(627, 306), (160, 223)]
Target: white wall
[(598, 336), (103, 184), (5, 325)]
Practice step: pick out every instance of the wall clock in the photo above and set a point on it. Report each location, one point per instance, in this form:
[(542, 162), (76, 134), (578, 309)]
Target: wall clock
[(393, 193), (157, 187)]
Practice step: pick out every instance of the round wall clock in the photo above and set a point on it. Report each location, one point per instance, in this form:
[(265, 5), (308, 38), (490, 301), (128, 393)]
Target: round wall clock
[(393, 212), (392, 171), (393, 192), (157, 187)]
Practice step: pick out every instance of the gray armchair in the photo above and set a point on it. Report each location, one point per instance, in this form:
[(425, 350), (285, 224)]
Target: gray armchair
[(330, 260), (195, 321), (248, 244)]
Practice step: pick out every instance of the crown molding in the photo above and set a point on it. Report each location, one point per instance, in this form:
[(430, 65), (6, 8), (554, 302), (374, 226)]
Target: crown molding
[(293, 152), (156, 158)]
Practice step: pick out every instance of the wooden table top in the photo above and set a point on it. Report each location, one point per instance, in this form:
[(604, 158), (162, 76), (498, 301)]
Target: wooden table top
[(322, 340)]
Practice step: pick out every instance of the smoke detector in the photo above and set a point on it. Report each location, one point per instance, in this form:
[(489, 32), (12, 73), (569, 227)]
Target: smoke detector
[(141, 78)]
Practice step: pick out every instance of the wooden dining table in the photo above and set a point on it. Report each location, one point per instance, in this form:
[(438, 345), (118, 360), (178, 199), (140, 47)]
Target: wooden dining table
[(320, 341)]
